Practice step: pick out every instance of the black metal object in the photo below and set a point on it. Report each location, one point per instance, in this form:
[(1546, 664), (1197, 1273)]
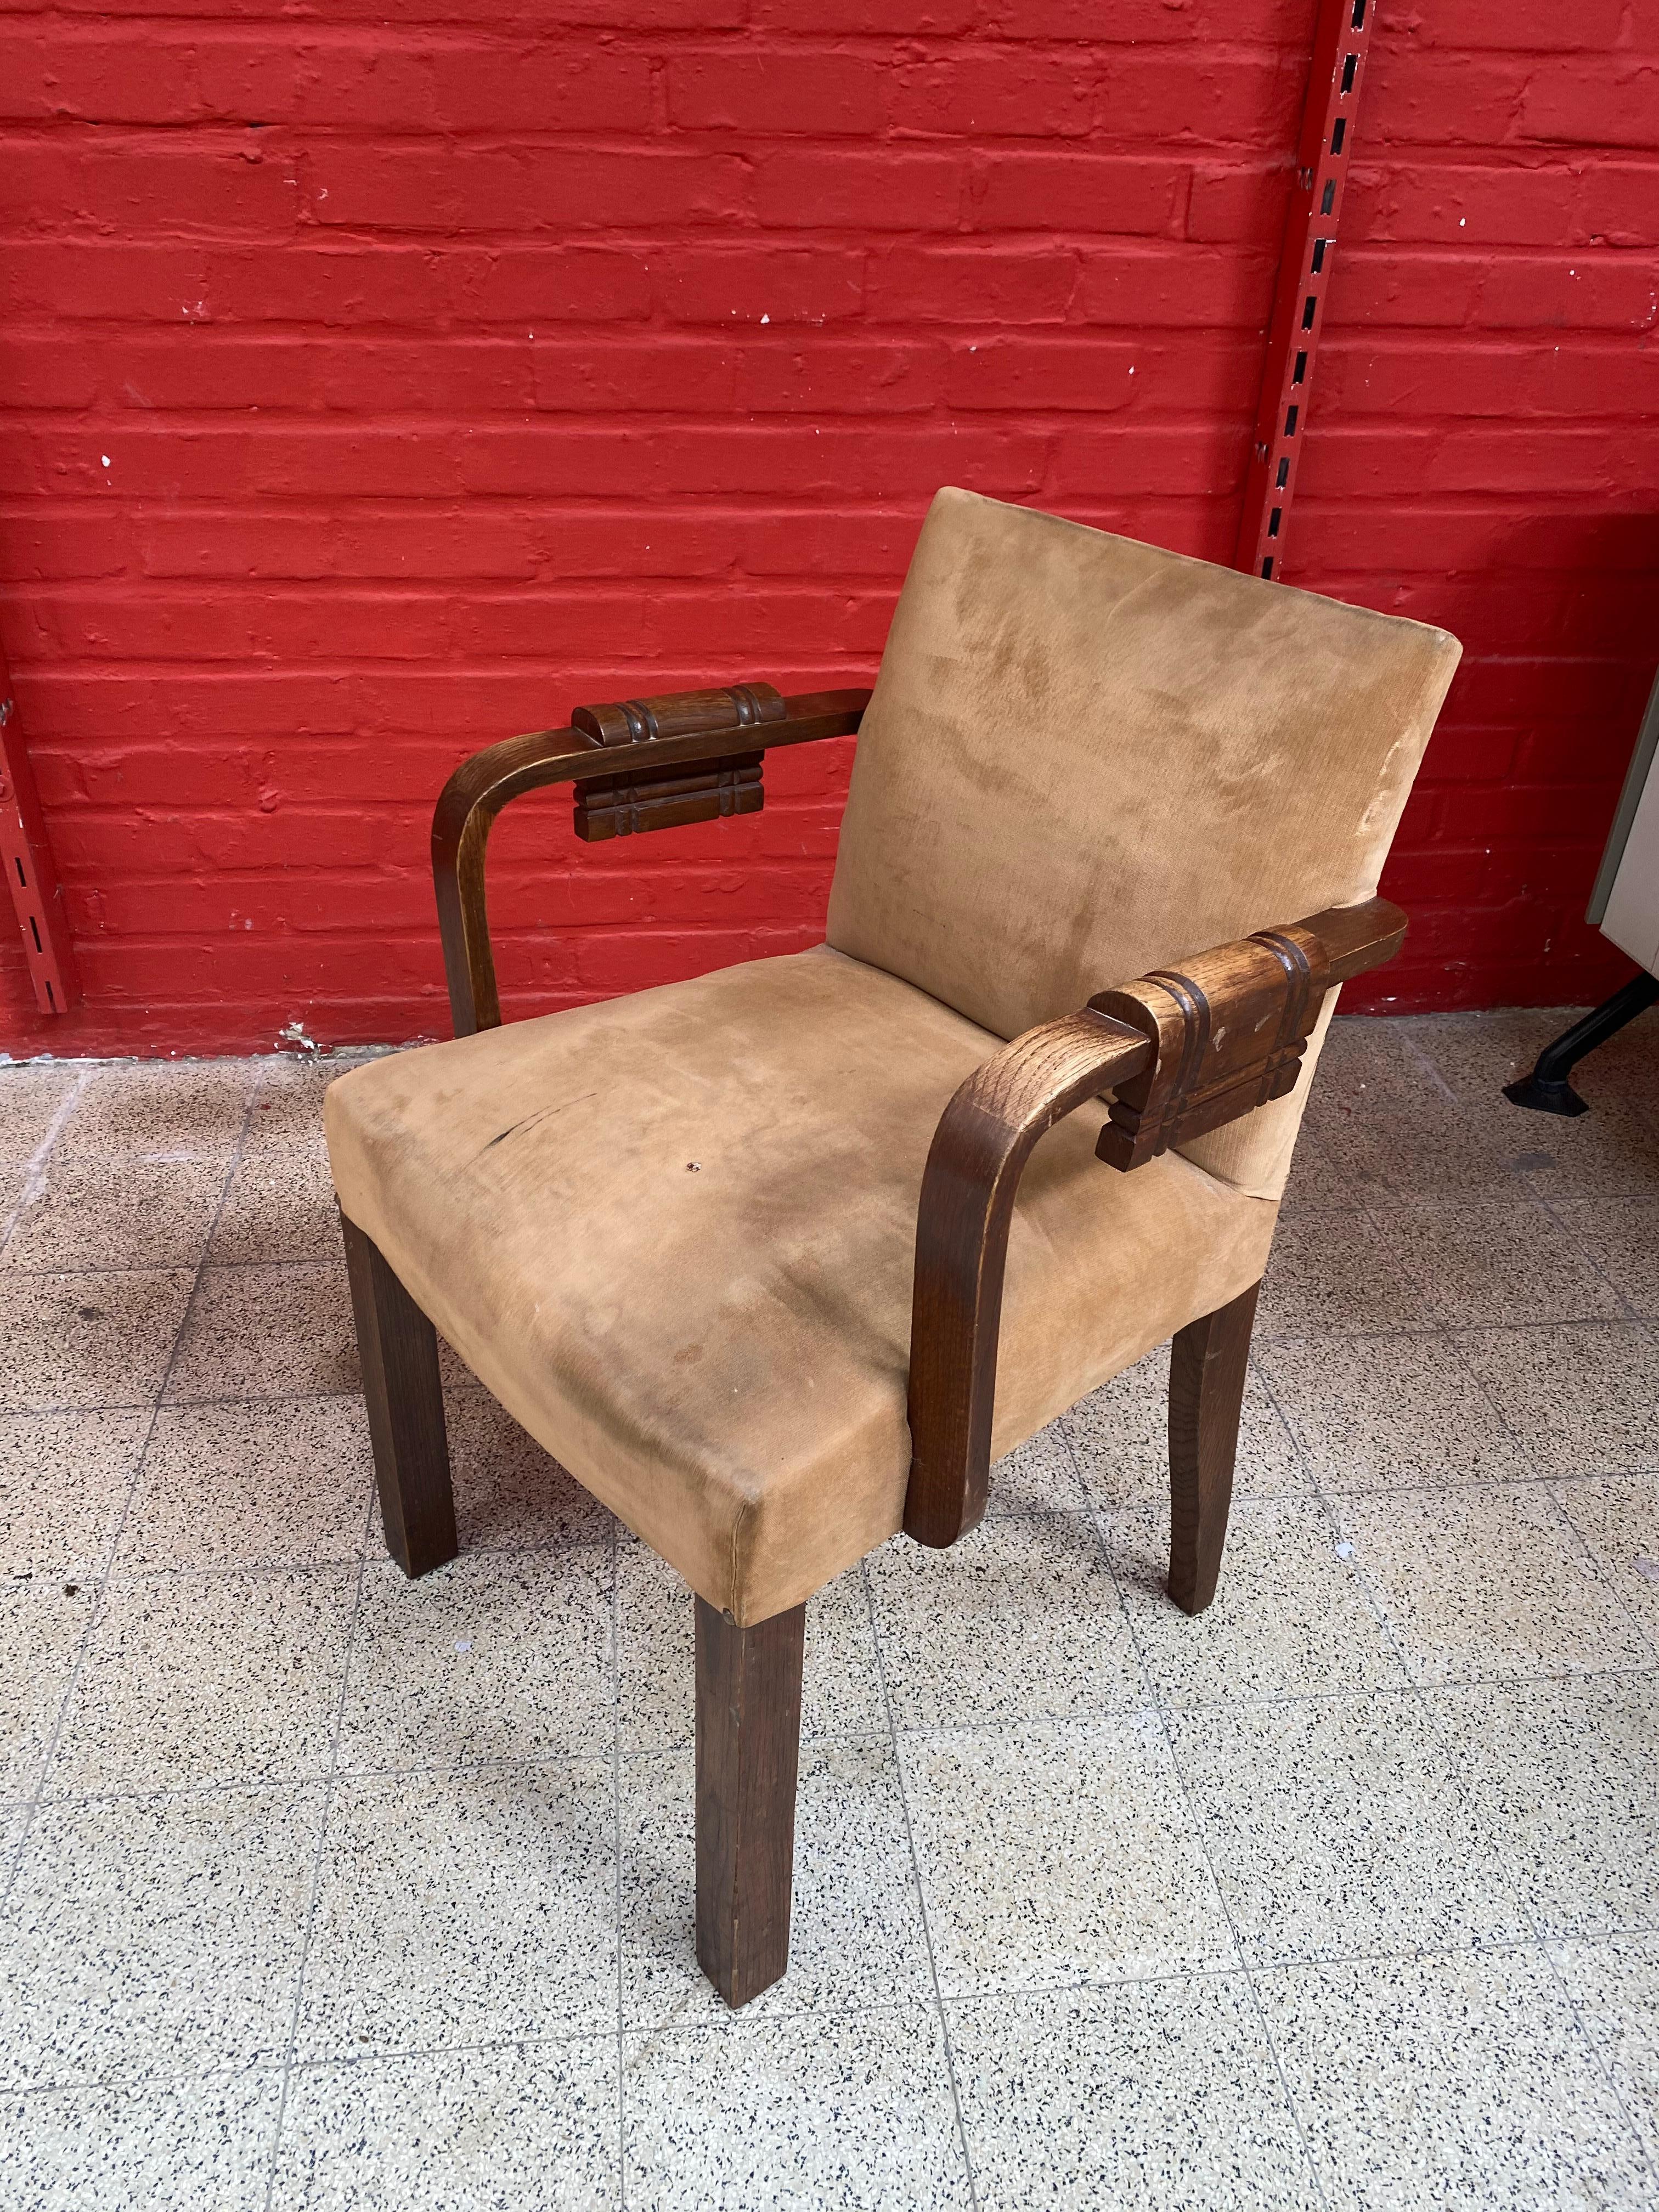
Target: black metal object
[(1547, 1090)]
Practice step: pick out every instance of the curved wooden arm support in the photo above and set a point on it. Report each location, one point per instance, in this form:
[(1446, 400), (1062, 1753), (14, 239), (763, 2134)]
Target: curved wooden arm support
[(482, 785), (984, 1137), (1184, 1051)]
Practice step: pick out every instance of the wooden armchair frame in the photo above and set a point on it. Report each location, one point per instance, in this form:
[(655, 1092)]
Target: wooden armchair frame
[(655, 750), (1180, 1053)]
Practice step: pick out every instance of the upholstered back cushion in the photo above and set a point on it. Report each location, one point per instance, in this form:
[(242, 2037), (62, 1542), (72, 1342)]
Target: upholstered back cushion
[(1087, 757)]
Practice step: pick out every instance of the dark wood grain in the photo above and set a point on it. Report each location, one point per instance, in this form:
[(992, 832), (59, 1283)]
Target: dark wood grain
[(482, 785), (1209, 1361), (1231, 1025), (748, 1754), (1184, 1051), (403, 1390), (625, 805), (968, 1189), (681, 713), (1357, 937)]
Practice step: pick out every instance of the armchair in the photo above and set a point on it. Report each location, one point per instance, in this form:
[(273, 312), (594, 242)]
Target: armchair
[(776, 1262)]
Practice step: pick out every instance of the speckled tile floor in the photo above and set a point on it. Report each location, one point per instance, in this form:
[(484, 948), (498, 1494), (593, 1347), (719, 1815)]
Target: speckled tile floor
[(325, 1890)]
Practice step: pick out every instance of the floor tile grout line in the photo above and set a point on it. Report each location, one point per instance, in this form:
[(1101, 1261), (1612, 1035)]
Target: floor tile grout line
[(1547, 1478), (1354, 1561), (1630, 1310), (250, 1096), (1389, 1203), (1535, 1943), (16, 1272), (1447, 1333), (939, 2013), (1235, 1971), (1442, 1333), (1600, 1575), (180, 1405), (1575, 1543), (1593, 2046), (1602, 1570), (1523, 1443), (1460, 1487), (34, 1172), (616, 1816), (101, 1602), (1457, 1328), (1545, 1203), (261, 1784), (1525, 1914), (1641, 1324), (1196, 1817), (257, 1784), (1239, 1969), (334, 1567), (325, 1786), (1232, 1971), (181, 1266), (1286, 1700), (1417, 1051), (1540, 1939), (1610, 1471), (1415, 1685), (1422, 1285), (139, 1571), (1434, 1323), (1304, 1458)]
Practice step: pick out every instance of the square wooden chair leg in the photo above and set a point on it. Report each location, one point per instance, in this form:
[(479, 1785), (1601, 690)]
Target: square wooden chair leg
[(397, 1347), (748, 1753), (1208, 1362)]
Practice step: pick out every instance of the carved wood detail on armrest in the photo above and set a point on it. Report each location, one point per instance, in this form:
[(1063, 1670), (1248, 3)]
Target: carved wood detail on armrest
[(620, 806), (1184, 1051), (1232, 1026), (680, 713), (476, 794)]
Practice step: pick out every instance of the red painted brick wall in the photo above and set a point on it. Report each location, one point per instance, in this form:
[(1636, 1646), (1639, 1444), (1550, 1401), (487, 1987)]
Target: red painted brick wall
[(374, 388)]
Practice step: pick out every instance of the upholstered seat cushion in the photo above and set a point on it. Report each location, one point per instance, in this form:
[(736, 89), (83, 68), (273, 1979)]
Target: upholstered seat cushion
[(674, 1235)]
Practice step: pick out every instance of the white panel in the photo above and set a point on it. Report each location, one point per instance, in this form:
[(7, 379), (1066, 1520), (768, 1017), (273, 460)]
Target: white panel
[(1632, 920)]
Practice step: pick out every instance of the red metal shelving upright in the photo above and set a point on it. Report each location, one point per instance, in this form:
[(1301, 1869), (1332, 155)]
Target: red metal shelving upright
[(31, 877), (1341, 40)]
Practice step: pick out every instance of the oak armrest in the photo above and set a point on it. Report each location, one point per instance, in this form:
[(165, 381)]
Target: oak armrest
[(1184, 1051), (984, 1137), (635, 752)]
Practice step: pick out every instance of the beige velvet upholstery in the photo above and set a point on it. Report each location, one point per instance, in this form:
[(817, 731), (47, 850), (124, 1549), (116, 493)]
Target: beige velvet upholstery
[(720, 1350), (1087, 757)]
